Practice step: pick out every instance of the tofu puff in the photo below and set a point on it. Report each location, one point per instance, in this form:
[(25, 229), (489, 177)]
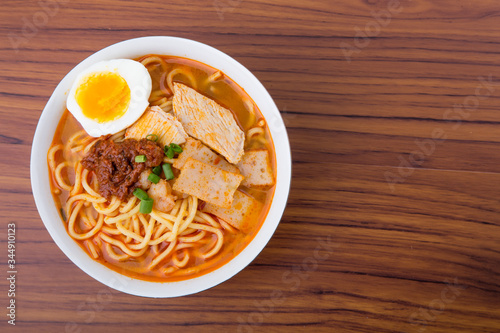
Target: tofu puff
[(185, 212)]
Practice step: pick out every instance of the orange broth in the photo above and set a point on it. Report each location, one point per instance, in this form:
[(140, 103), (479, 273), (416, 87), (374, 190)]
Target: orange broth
[(230, 95)]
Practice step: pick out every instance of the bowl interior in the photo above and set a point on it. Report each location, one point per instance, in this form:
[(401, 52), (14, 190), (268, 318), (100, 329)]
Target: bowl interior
[(45, 132)]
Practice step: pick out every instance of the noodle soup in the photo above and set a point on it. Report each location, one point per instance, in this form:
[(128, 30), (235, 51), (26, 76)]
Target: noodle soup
[(177, 193)]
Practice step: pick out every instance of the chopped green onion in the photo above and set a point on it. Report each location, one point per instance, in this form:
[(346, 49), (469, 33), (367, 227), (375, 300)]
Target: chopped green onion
[(171, 149), (154, 178), (140, 158), (157, 170), (146, 206), (170, 152), (167, 169), (176, 148), (139, 193), (152, 137)]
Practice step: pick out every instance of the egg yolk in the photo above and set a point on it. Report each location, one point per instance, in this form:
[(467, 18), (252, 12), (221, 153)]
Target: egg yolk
[(103, 96)]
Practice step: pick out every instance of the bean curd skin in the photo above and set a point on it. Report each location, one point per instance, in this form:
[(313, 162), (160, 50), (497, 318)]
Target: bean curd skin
[(186, 255)]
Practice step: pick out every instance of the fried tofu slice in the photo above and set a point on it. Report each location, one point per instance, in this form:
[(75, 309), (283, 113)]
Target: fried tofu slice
[(209, 122), (209, 183), (197, 150), (242, 215), (256, 167), (156, 121)]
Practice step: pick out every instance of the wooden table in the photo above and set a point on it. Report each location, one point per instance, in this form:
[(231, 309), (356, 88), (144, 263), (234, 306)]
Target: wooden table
[(393, 220)]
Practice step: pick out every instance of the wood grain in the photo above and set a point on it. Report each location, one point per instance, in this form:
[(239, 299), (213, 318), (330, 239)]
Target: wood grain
[(353, 253)]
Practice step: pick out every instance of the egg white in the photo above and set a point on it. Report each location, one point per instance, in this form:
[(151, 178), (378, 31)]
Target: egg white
[(139, 83)]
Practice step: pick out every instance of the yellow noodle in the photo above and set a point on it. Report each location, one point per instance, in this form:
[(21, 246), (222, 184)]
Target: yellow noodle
[(127, 226), (188, 231), (111, 231), (92, 249), (85, 197), (184, 246), (163, 218), (249, 105), (76, 149), (176, 208), (90, 216), (169, 270), (146, 238), (89, 145), (145, 223), (207, 218), (193, 208), (51, 156), (86, 221), (97, 240), (71, 224), (135, 225), (160, 229), (165, 90), (113, 205), (162, 255), (128, 206), (218, 244), (189, 270), (83, 139), (168, 160), (178, 220), (251, 113), (193, 239), (113, 220), (87, 187), (161, 239), (82, 144), (167, 106), (160, 101), (128, 233), (183, 262), (214, 90), (176, 71), (88, 234), (154, 59), (254, 131), (122, 246), (73, 138), (118, 135), (228, 227), (156, 94), (59, 178), (182, 233), (215, 76), (78, 183)]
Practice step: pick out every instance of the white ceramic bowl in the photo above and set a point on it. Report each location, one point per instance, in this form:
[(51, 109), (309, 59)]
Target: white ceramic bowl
[(45, 132)]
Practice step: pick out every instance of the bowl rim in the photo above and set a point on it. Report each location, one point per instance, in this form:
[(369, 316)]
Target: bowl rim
[(51, 114)]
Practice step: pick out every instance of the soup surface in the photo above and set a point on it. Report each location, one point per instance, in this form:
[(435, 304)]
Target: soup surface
[(184, 212)]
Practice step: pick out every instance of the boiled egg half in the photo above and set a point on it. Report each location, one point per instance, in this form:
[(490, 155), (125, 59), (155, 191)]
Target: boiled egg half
[(109, 96)]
